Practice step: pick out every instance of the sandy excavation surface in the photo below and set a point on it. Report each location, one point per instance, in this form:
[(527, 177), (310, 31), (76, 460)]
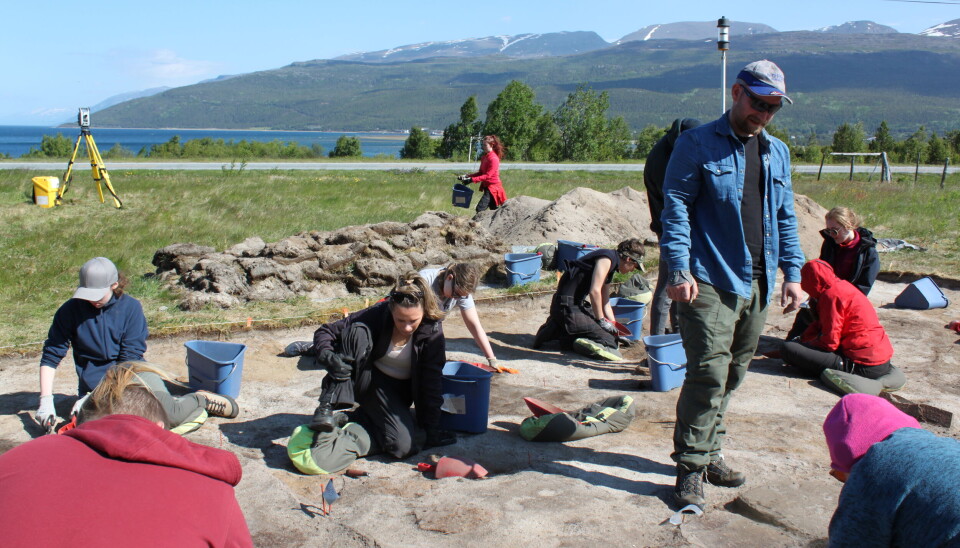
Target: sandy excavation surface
[(614, 489)]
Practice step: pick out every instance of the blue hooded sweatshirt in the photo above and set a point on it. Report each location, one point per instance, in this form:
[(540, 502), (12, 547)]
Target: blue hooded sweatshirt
[(101, 337)]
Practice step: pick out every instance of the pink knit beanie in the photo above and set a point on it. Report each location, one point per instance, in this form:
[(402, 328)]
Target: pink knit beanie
[(857, 422)]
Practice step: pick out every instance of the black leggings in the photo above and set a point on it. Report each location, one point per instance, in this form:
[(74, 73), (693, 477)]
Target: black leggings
[(486, 202), (812, 361)]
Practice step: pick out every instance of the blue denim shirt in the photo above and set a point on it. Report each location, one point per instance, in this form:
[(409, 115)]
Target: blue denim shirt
[(702, 231)]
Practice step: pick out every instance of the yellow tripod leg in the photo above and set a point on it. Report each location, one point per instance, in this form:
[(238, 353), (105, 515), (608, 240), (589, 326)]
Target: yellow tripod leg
[(68, 174), (100, 172), (94, 168)]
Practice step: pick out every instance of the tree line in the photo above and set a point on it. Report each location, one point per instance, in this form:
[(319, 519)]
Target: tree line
[(578, 130), (58, 146)]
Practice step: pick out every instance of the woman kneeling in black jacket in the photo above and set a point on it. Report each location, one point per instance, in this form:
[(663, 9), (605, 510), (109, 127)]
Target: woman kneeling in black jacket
[(383, 358)]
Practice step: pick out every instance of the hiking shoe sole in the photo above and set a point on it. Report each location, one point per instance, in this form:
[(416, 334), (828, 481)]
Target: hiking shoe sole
[(596, 350)]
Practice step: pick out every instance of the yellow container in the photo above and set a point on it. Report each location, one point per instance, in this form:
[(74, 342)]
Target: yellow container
[(45, 191)]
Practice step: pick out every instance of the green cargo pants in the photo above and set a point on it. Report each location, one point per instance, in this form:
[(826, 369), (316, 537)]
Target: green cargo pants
[(720, 335)]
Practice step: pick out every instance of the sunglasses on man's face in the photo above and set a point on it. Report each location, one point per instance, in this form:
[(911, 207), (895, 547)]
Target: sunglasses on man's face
[(760, 105)]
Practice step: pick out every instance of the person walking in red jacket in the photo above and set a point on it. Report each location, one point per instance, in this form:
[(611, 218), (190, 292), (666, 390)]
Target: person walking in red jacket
[(845, 345), (489, 175), (120, 479)]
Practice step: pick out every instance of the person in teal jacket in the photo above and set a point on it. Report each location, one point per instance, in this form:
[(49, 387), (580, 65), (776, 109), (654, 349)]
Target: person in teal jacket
[(900, 481)]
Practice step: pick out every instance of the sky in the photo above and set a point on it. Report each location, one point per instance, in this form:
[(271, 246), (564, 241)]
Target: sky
[(58, 56)]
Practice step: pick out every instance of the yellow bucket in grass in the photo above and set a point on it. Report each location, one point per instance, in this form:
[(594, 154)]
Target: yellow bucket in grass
[(45, 191)]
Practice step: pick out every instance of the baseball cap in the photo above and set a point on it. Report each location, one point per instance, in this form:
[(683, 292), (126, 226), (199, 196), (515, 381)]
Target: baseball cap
[(764, 78), (96, 277)]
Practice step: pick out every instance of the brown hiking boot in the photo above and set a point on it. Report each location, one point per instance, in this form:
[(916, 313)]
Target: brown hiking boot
[(718, 473), (689, 487), (219, 405)]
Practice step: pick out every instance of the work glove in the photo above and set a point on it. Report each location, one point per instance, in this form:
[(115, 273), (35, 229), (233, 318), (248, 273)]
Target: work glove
[(336, 367), (466, 179), (76, 407), (608, 326), (46, 414), (493, 363), (437, 437)]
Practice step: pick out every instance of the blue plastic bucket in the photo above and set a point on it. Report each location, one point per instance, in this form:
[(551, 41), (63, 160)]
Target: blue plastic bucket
[(522, 268), (462, 195), (215, 366), (466, 398), (630, 314), (923, 294), (571, 251), (667, 361)]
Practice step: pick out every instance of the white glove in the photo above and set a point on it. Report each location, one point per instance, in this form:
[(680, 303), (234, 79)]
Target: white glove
[(46, 414), (76, 407), (492, 362)]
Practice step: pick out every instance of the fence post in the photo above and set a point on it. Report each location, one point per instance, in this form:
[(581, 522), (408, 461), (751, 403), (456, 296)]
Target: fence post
[(852, 160), (885, 169), (823, 158), (917, 172), (943, 178)]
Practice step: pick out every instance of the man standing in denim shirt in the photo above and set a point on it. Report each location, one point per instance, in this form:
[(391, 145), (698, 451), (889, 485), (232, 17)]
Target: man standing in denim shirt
[(728, 223)]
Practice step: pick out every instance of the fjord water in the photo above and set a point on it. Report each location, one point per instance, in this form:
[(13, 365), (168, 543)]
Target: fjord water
[(17, 140)]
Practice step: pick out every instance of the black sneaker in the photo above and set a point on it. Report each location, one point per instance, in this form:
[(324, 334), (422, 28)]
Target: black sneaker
[(323, 420), (718, 473), (689, 487), (299, 348)]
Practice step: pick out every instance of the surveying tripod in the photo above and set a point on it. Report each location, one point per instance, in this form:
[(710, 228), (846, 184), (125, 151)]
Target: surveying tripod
[(97, 167)]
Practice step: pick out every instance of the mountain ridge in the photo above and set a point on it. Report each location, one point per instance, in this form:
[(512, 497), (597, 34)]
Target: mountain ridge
[(835, 77)]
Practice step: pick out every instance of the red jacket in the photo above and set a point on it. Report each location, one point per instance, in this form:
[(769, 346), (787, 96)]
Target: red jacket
[(846, 321), (489, 177), (119, 481)]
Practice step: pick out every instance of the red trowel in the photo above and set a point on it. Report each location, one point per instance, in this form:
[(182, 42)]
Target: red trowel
[(621, 329), (454, 467), (540, 408)]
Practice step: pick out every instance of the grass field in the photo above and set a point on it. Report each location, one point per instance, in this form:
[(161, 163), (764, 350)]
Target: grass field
[(42, 249)]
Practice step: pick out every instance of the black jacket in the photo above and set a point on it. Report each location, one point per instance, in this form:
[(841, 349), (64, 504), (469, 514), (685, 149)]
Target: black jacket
[(868, 261), (655, 169), (429, 355)]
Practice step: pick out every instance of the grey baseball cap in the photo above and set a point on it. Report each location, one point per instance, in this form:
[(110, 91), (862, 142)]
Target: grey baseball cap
[(96, 277), (764, 78)]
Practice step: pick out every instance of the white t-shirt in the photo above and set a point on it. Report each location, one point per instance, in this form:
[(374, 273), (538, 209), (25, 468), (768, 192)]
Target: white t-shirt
[(396, 362), (435, 281)]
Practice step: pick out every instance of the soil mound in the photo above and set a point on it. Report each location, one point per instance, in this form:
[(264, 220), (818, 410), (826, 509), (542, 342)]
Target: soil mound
[(365, 259), (587, 216), (582, 215), (322, 265)]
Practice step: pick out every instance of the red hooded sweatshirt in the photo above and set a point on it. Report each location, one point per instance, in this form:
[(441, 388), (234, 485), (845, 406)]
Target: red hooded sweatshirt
[(846, 321), (119, 481)]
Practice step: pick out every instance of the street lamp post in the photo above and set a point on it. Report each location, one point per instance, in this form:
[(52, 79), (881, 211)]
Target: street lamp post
[(723, 44)]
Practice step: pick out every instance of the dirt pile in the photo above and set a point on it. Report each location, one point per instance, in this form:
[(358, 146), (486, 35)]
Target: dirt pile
[(582, 215), (365, 259), (585, 215), (322, 265)]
